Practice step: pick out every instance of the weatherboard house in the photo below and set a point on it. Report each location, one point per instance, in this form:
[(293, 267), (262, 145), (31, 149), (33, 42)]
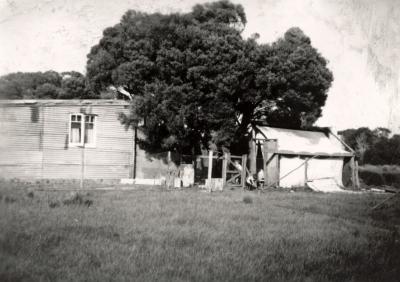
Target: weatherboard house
[(71, 139)]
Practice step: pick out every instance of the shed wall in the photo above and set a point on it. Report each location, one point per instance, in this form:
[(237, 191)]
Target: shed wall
[(316, 168)]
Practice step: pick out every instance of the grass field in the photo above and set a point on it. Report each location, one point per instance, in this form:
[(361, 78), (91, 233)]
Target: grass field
[(154, 235)]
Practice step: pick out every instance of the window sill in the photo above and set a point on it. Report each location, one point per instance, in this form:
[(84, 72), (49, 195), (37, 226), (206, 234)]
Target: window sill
[(81, 146), (90, 146)]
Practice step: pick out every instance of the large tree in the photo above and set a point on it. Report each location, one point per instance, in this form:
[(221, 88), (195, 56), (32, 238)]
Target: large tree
[(196, 82)]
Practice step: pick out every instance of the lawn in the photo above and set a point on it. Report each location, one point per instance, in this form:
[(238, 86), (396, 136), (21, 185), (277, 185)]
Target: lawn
[(158, 235)]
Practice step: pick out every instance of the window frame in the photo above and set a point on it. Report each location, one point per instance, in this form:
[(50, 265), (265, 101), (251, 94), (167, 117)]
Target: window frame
[(82, 142), (91, 145), (82, 137)]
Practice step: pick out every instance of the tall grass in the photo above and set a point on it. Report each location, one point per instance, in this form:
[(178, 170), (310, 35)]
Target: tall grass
[(193, 236)]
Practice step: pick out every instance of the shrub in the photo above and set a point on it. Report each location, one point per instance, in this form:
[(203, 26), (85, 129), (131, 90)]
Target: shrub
[(77, 199), (9, 199), (30, 194), (53, 204), (371, 178), (247, 200), (375, 177)]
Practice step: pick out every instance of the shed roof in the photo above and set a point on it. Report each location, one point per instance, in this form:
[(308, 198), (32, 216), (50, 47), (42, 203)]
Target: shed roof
[(303, 142), (70, 102)]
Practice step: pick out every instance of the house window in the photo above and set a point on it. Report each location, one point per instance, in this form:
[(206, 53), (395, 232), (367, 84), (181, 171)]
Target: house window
[(90, 130), (82, 130), (76, 129)]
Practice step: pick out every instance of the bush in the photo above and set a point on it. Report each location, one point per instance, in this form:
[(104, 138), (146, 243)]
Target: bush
[(53, 204), (375, 177), (247, 200), (392, 179), (9, 199), (30, 194), (77, 199), (371, 178)]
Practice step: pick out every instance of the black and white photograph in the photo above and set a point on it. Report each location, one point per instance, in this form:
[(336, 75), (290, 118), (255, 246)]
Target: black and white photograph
[(199, 140)]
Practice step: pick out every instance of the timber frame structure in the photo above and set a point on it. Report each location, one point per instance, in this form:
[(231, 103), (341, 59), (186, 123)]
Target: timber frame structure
[(296, 146)]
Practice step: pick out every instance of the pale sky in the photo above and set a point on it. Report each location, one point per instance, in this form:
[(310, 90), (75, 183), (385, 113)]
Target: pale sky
[(359, 38)]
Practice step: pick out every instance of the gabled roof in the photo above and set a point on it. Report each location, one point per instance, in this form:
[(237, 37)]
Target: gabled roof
[(303, 142)]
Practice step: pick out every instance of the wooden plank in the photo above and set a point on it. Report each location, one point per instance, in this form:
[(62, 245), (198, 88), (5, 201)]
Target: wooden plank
[(271, 163), (384, 201), (233, 177), (224, 169), (252, 157), (357, 176), (243, 176), (353, 175), (207, 157), (321, 154), (210, 161), (305, 172)]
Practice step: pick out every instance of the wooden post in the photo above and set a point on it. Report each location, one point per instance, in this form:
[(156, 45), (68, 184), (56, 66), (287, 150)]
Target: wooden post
[(210, 161), (253, 156), (357, 177), (353, 175), (135, 153), (42, 148), (271, 163), (305, 171), (224, 169), (82, 166), (243, 175)]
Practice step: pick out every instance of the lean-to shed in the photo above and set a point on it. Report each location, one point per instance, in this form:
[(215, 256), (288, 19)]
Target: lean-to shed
[(292, 158)]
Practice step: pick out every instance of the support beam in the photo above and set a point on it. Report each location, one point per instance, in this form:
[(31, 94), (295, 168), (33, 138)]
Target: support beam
[(244, 168), (306, 171), (357, 176), (271, 169), (210, 161), (253, 157), (224, 169), (353, 173), (82, 167)]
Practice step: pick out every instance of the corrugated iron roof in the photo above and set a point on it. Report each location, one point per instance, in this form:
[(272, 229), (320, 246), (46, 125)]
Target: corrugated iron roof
[(303, 142), (71, 102)]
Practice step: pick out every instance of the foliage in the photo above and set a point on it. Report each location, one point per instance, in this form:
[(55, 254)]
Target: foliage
[(384, 151), (197, 83), (374, 146), (44, 85), (380, 176), (297, 79), (76, 198)]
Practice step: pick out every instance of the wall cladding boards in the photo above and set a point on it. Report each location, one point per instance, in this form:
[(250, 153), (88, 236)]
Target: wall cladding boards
[(34, 141)]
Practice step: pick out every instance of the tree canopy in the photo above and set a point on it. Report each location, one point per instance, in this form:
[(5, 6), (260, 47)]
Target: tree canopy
[(44, 85), (196, 82)]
